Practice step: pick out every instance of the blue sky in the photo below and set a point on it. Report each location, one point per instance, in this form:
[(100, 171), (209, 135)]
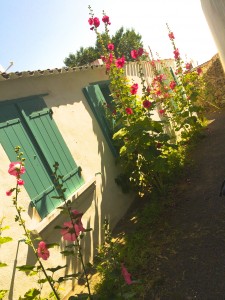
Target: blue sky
[(40, 34)]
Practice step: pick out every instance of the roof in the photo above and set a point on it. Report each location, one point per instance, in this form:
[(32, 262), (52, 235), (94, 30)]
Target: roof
[(37, 73)]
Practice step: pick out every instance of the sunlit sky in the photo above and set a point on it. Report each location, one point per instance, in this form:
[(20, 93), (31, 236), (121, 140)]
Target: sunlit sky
[(40, 34)]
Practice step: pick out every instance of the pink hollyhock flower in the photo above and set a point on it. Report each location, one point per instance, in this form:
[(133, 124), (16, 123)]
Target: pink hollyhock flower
[(91, 21), (148, 89), (70, 232), (42, 250), (162, 111), (16, 168), (188, 66), (120, 62), (105, 19), (152, 62), (129, 111), (134, 54), (126, 275), (96, 22), (146, 103), (158, 92), (140, 51), (199, 70), (20, 181), (176, 54), (134, 88), (110, 47), (110, 59), (9, 193), (171, 36), (172, 85)]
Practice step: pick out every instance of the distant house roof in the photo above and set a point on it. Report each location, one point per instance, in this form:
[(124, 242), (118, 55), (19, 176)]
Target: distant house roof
[(38, 73)]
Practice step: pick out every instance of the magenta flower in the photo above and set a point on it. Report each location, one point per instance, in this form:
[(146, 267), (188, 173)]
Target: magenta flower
[(129, 111), (71, 231), (172, 85), (16, 168), (146, 103), (91, 21), (134, 88), (134, 54), (105, 19), (162, 111), (9, 193), (126, 275), (176, 54), (96, 22), (171, 36), (120, 62), (188, 66), (20, 181), (140, 51), (110, 47), (42, 250)]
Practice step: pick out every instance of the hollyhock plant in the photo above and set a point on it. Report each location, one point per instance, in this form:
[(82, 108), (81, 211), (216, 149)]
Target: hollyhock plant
[(105, 19), (129, 111), (9, 192), (199, 70), (172, 85), (126, 274), (188, 66), (16, 169), (147, 104), (171, 36), (162, 111), (134, 54), (110, 47), (134, 89), (71, 230), (96, 22), (120, 62), (20, 181), (176, 54), (42, 251)]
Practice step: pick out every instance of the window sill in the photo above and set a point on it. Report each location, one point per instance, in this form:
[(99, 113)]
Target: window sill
[(41, 226)]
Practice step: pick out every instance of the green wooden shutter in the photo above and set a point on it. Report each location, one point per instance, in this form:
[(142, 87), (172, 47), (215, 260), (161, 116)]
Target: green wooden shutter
[(98, 105), (14, 132), (45, 131)]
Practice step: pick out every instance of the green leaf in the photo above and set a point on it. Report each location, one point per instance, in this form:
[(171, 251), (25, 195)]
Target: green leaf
[(69, 277), (88, 229), (5, 239), (67, 253), (2, 265), (31, 294), (80, 296), (58, 227), (52, 245), (3, 293), (26, 268), (56, 268)]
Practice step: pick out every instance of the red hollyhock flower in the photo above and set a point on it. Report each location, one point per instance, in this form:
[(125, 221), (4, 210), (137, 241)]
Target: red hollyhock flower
[(105, 19), (146, 103), (20, 181), (176, 54), (188, 66), (96, 22), (16, 168), (42, 250), (162, 111), (152, 62), (171, 36), (91, 21), (140, 51), (126, 275), (9, 193), (134, 88), (110, 47), (129, 111), (134, 54), (172, 85), (120, 62)]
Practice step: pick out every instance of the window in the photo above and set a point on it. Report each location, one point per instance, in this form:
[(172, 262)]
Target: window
[(29, 123), (100, 101)]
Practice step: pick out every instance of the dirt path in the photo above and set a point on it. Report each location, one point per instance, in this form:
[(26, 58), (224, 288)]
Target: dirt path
[(195, 267)]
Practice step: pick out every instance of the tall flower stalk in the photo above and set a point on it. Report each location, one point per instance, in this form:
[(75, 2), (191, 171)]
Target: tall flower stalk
[(17, 169)]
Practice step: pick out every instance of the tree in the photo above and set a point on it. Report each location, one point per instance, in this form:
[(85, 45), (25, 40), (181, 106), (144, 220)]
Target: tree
[(124, 41)]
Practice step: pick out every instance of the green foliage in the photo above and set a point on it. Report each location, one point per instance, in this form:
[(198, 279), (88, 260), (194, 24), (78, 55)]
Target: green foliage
[(3, 293), (30, 295)]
